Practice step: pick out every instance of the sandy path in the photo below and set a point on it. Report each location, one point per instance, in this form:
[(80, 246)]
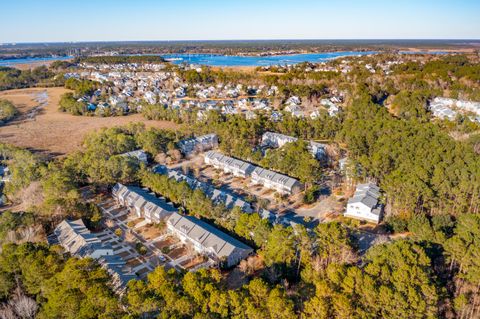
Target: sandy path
[(53, 132)]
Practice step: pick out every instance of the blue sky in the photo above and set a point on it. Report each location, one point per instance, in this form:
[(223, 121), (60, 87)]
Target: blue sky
[(109, 20)]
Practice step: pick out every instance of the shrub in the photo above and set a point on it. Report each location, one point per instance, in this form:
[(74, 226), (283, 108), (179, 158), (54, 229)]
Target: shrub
[(396, 224), (7, 111)]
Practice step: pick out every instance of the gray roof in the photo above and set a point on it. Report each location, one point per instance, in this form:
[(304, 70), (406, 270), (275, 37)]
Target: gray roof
[(142, 199), (138, 154), (204, 141), (253, 170), (275, 177), (367, 194), (77, 239), (230, 162), (206, 235)]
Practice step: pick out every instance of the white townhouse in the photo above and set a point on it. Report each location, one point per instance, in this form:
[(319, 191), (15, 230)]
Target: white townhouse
[(269, 179), (276, 181), (79, 241), (206, 239), (75, 238), (229, 164), (365, 204), (143, 203), (216, 195), (198, 144)]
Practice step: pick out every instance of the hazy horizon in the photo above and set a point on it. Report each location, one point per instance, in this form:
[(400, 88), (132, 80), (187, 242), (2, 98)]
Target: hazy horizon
[(53, 21)]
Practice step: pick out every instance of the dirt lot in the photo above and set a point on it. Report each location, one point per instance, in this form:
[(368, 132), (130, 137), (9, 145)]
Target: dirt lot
[(51, 131), (150, 232), (178, 252), (166, 242)]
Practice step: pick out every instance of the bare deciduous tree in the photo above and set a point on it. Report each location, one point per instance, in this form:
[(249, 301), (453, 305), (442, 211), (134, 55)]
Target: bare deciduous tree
[(7, 312), (25, 307)]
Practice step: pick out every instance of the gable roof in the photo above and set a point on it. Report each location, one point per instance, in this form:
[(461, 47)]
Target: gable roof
[(275, 177), (367, 194), (230, 162), (77, 239), (141, 198), (206, 235)]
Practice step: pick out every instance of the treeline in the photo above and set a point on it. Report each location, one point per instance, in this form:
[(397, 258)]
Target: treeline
[(82, 87), (7, 111), (208, 75), (11, 78), (119, 59), (457, 66)]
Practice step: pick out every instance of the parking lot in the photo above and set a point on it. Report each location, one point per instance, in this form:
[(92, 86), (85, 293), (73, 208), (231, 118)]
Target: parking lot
[(128, 233)]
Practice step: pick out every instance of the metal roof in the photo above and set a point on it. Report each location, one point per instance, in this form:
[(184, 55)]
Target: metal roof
[(209, 237)]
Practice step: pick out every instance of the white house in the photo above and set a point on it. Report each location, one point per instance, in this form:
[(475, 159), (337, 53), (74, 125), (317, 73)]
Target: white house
[(364, 204)]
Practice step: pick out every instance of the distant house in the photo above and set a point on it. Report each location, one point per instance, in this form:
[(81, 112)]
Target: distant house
[(91, 107), (198, 144), (446, 108), (295, 110), (207, 239), (75, 238), (250, 115), (364, 204), (315, 114), (140, 155), (150, 97), (277, 140), (229, 164), (142, 203), (276, 116), (4, 174)]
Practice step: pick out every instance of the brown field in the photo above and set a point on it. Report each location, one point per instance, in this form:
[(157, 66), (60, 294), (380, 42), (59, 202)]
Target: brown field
[(52, 132)]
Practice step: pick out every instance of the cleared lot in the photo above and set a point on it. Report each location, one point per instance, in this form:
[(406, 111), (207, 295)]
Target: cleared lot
[(52, 132)]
